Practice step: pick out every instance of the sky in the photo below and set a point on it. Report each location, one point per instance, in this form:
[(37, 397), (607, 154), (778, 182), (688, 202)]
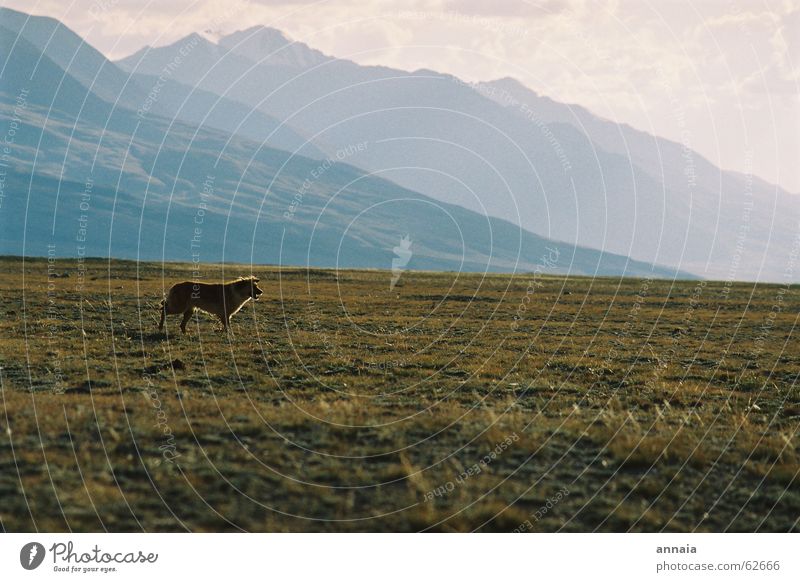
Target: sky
[(721, 77)]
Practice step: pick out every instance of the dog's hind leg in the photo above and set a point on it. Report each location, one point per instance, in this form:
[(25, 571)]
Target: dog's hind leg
[(187, 315), (226, 324)]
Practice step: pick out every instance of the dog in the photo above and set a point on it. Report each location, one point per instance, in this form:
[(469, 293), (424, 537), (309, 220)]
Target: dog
[(221, 299)]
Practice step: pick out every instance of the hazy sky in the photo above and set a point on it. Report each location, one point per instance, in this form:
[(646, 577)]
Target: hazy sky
[(722, 76)]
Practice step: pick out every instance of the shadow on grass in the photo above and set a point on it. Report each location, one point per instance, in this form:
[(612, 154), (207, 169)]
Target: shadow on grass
[(154, 337)]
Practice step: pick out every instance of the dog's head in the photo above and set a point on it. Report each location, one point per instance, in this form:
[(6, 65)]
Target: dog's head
[(247, 288), (255, 291)]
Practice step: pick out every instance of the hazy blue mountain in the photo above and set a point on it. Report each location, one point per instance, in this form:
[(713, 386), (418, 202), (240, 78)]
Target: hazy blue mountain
[(750, 218), (499, 148), (86, 177), (260, 43), (156, 94)]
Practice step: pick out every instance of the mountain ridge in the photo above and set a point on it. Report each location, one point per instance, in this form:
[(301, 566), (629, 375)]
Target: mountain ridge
[(174, 100), (139, 183), (554, 169)]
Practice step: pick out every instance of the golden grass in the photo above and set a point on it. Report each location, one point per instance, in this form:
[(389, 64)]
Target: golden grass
[(339, 405)]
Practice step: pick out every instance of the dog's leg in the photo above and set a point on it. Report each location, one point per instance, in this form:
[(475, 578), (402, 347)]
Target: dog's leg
[(187, 315), (163, 315)]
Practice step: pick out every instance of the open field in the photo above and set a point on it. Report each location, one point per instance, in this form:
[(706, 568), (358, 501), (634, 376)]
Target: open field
[(339, 405)]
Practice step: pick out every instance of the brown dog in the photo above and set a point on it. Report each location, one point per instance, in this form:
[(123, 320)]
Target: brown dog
[(222, 300)]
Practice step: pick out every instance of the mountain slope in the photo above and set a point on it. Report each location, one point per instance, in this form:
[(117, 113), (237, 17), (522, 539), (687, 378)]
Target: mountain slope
[(564, 175), (157, 94), (259, 42), (90, 178)]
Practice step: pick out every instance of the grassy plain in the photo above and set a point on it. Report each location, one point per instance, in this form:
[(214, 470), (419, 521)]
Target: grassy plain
[(338, 404)]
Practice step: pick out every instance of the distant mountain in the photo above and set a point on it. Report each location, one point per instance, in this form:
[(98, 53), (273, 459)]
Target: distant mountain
[(262, 44), (87, 177), (500, 148), (157, 94)]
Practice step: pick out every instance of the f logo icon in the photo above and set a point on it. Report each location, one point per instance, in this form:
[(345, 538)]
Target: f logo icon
[(31, 555)]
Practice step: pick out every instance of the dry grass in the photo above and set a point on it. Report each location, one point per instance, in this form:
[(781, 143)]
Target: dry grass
[(338, 405)]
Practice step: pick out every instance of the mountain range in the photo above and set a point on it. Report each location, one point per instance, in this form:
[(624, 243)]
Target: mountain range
[(500, 148), (295, 157)]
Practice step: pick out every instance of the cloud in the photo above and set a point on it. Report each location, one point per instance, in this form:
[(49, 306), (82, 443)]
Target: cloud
[(507, 8), (786, 46)]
